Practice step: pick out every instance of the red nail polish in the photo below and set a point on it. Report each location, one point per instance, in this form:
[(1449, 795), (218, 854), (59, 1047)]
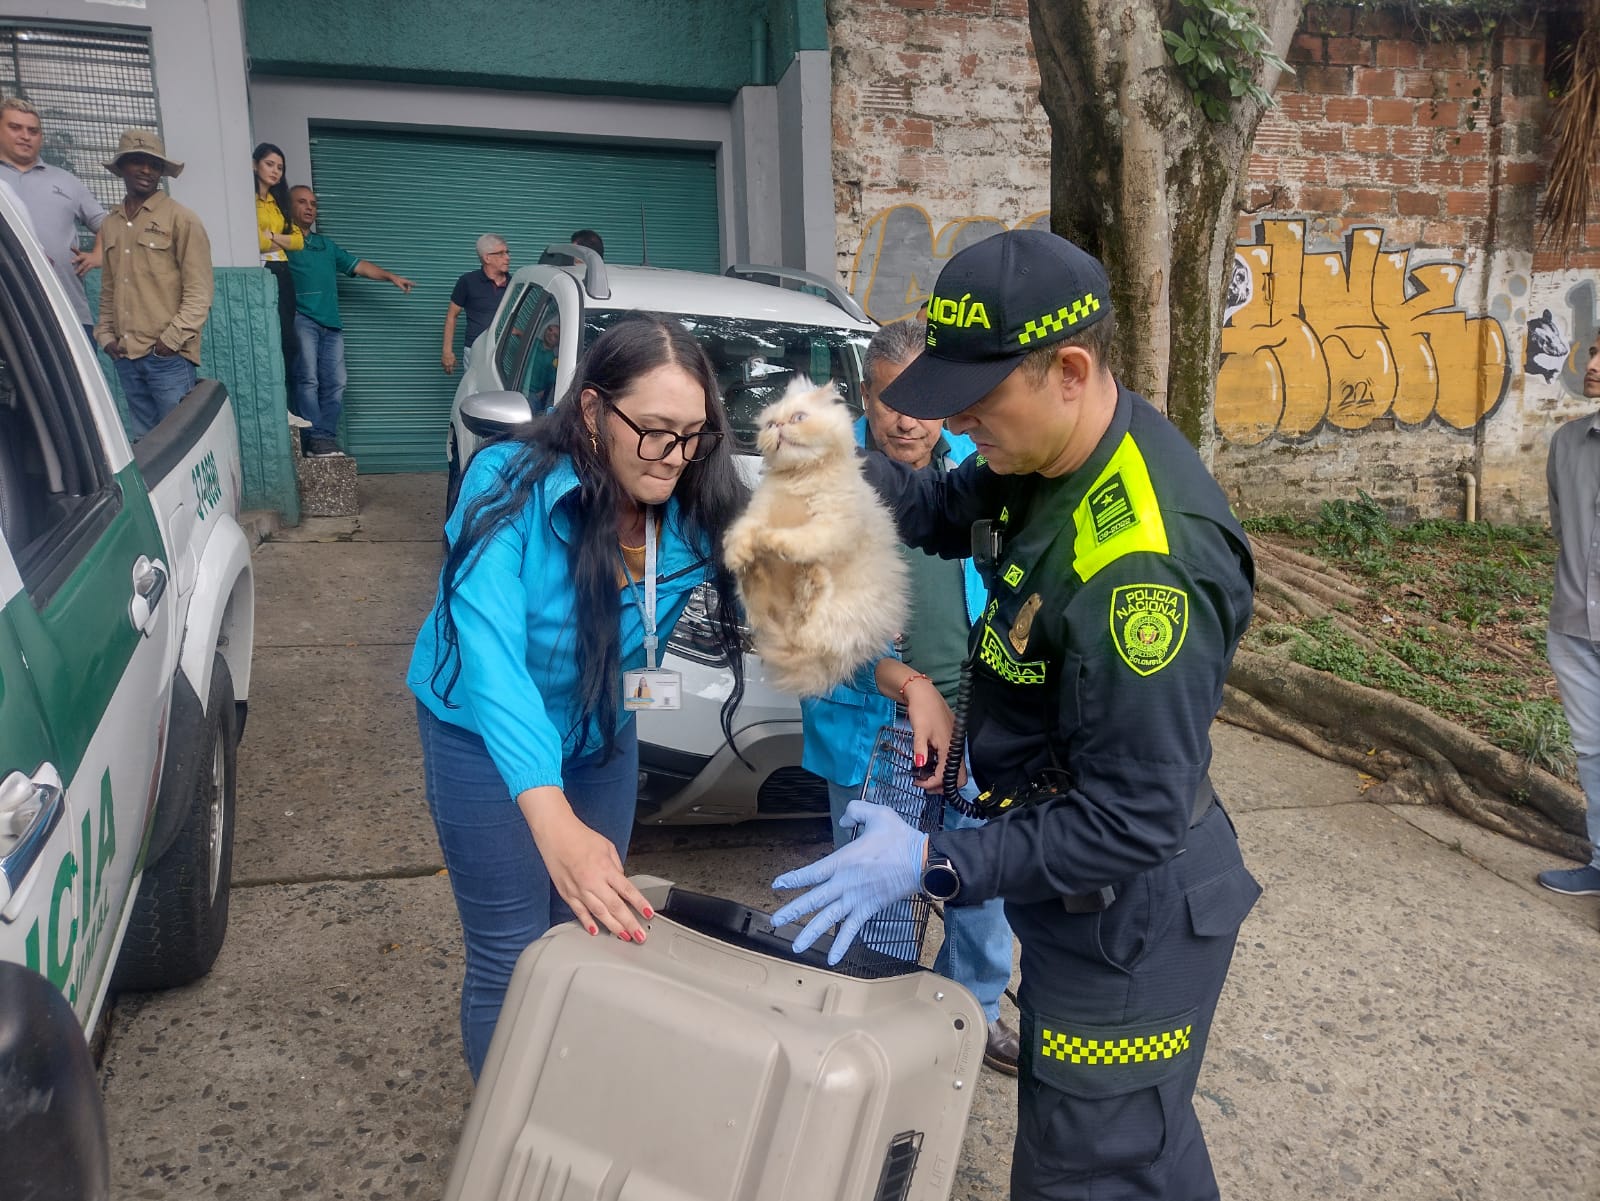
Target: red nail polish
[(639, 938), (624, 937), (921, 759), (649, 913), (593, 930)]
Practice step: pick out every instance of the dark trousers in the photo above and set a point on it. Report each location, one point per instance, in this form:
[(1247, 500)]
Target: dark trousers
[(1116, 1010), (286, 311)]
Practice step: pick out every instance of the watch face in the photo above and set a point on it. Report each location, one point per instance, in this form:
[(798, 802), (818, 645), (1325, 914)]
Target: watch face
[(940, 881)]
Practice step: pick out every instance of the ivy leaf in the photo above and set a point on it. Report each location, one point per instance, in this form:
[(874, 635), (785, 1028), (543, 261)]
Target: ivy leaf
[(1172, 39), (1184, 53)]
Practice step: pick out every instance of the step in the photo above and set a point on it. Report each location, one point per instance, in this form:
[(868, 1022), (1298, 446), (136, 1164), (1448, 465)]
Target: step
[(327, 484)]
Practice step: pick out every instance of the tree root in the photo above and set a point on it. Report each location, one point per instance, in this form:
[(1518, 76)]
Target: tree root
[(1416, 750)]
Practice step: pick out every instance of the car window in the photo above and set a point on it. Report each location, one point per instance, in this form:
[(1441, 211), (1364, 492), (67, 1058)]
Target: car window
[(755, 361), (537, 380), (56, 489), (518, 334)]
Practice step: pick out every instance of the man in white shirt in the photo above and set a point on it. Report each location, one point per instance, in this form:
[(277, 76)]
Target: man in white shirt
[(56, 200)]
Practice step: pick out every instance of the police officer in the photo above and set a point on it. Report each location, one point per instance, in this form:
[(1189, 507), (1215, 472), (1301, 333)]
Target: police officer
[(1119, 586)]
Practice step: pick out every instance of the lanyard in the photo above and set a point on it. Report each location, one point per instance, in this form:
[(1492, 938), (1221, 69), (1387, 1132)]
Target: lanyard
[(646, 603)]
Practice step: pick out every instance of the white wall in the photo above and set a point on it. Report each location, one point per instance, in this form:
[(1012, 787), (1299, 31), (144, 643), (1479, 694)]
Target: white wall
[(198, 50)]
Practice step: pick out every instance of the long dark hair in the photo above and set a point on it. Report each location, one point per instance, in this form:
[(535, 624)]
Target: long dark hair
[(710, 495), (278, 191)]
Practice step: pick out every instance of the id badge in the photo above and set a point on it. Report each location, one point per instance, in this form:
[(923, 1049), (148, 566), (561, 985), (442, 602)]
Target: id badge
[(652, 689)]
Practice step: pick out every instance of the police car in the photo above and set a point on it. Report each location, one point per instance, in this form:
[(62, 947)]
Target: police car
[(126, 627), (761, 327)]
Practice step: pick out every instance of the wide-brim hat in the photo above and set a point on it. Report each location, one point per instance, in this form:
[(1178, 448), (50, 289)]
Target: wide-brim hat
[(142, 141), (996, 302)]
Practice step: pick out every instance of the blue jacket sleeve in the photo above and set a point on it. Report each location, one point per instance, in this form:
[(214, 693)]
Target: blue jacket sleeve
[(490, 609)]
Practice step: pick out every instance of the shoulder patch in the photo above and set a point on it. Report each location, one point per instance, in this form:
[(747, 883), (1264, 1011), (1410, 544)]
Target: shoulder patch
[(1119, 514), (1148, 624)]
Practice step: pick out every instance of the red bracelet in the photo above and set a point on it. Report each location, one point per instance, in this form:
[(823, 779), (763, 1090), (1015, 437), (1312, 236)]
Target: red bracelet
[(906, 683)]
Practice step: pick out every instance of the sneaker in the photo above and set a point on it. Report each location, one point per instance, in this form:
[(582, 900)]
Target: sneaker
[(1002, 1048), (323, 448), (1573, 881), (298, 422)]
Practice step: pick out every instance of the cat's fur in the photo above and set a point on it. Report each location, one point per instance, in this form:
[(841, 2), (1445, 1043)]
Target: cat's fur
[(816, 553)]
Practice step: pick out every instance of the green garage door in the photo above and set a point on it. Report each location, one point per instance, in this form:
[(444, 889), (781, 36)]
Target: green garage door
[(416, 204)]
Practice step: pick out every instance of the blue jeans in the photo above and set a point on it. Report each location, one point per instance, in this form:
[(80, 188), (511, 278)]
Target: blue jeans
[(153, 385), (1576, 662), (976, 952), (503, 892), (319, 375)]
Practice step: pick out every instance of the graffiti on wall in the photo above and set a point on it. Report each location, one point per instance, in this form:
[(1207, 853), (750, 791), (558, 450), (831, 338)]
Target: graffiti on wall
[(1348, 337), (900, 256)]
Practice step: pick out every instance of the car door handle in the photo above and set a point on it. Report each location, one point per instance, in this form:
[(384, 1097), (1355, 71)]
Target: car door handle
[(30, 810), (149, 583)]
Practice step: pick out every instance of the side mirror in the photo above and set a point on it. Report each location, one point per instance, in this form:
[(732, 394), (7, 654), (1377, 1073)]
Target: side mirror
[(55, 1146), (490, 414)]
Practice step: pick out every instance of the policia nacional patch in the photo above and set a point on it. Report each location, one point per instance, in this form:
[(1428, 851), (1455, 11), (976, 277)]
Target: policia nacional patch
[(1148, 624)]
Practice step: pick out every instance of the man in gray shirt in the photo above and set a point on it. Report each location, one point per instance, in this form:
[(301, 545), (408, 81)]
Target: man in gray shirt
[(56, 200), (1573, 474)]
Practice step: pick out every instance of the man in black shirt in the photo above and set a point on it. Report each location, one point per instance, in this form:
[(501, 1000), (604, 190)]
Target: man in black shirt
[(477, 293), (1119, 586)]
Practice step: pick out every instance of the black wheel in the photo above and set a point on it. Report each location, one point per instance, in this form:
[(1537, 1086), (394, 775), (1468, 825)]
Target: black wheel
[(452, 481), (181, 913)]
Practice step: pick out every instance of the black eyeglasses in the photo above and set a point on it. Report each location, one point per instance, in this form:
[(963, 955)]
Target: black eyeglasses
[(655, 445)]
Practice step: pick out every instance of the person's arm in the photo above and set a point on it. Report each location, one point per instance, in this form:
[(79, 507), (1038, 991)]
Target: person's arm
[(489, 608), (94, 217), (369, 270), (193, 248), (934, 511), (1550, 485), (926, 710), (448, 358), (293, 239), (1134, 740), (104, 334)]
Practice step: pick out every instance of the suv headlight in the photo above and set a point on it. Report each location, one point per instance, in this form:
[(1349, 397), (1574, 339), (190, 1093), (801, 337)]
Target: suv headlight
[(695, 636)]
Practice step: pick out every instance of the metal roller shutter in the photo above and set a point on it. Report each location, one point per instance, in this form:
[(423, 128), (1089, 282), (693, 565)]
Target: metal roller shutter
[(416, 204)]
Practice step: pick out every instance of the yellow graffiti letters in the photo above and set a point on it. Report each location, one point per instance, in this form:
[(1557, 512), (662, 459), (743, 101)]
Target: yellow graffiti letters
[(1348, 337)]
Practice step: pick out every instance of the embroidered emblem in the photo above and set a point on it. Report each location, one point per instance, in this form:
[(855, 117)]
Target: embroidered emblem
[(1148, 624)]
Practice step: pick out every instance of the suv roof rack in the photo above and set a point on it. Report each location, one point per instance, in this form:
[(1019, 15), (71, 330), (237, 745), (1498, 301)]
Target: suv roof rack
[(835, 295), (569, 254)]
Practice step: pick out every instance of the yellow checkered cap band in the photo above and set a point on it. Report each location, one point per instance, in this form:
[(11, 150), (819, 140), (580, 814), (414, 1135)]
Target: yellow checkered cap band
[(1054, 323), (1070, 1048)]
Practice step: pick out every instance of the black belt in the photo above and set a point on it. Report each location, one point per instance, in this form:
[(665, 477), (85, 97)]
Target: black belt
[(1205, 796)]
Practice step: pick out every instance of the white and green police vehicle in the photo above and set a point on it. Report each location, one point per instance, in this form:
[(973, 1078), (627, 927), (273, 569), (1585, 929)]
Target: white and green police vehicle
[(126, 624)]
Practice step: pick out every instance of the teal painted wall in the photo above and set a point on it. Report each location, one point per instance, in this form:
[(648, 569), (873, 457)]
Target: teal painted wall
[(240, 347), (685, 49)]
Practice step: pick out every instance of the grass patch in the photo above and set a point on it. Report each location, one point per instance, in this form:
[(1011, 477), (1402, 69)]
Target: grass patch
[(1460, 610)]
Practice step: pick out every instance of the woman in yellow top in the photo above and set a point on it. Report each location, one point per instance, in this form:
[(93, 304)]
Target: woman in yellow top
[(277, 235)]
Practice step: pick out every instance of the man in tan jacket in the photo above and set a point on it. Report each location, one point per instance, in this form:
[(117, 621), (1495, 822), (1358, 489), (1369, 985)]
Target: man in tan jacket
[(156, 286)]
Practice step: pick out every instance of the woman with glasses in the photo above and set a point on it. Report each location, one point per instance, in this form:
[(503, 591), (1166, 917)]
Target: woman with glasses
[(573, 549)]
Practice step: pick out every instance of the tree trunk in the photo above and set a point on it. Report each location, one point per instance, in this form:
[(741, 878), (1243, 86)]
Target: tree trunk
[(1140, 178)]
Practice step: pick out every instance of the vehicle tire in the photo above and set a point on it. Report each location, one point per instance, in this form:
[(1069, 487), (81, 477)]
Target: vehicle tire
[(181, 913), (452, 481)]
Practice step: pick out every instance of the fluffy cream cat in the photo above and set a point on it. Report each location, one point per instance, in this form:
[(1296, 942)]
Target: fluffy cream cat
[(815, 554)]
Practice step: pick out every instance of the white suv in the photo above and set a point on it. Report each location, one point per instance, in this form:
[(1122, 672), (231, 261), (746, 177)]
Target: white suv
[(759, 335)]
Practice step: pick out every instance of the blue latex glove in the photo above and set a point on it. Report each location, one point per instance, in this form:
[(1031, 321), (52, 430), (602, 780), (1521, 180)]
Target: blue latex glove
[(881, 866)]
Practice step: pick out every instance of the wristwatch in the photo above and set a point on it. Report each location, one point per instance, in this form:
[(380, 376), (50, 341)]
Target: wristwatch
[(939, 878)]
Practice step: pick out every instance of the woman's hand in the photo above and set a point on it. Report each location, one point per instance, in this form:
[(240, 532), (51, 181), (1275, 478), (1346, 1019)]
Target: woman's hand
[(931, 726), (584, 866)]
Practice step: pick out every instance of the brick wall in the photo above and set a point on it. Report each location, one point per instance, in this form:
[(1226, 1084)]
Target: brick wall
[(1387, 289), (939, 139)]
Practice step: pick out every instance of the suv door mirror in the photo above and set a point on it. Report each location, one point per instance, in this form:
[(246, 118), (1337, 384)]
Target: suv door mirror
[(490, 414), (55, 1147)]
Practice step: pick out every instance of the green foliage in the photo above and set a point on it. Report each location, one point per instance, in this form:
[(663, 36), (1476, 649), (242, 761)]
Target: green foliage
[(1217, 51)]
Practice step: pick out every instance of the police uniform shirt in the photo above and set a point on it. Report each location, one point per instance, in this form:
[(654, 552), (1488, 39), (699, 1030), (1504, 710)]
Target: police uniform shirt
[(1115, 607)]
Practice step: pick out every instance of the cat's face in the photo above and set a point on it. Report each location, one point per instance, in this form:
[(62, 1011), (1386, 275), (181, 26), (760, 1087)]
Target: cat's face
[(807, 425)]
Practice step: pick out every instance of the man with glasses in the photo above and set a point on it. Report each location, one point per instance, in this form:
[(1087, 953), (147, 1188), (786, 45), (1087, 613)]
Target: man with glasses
[(319, 370), (478, 294)]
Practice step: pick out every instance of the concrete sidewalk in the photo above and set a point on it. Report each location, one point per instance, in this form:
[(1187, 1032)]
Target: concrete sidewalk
[(1409, 1015)]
